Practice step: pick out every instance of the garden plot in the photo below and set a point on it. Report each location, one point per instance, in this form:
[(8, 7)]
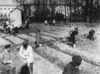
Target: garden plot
[(80, 51), (43, 36), (64, 31), (43, 66), (47, 38), (40, 65), (14, 40), (26, 37), (62, 59), (3, 35), (51, 35), (32, 34), (61, 33), (48, 34), (82, 43), (4, 42), (89, 57)]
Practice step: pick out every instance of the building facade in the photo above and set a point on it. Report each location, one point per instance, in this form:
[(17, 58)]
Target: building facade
[(8, 10)]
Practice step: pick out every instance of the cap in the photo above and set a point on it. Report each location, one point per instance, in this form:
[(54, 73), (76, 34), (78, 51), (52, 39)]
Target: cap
[(25, 43), (7, 46), (76, 58), (76, 28)]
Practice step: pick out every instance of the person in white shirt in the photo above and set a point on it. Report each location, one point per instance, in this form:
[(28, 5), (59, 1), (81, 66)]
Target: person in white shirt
[(10, 26), (46, 22), (26, 52), (54, 22)]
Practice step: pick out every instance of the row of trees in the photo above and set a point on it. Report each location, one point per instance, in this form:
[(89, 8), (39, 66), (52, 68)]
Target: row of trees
[(45, 9)]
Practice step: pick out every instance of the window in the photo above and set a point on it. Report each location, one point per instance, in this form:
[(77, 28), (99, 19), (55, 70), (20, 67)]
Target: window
[(1, 15), (9, 14), (5, 8), (5, 14), (8, 8)]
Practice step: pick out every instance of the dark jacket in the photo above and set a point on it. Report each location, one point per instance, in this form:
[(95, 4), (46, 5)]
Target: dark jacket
[(69, 69)]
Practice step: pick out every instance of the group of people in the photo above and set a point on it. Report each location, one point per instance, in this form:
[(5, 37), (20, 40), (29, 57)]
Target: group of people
[(73, 34), (73, 66), (9, 27), (26, 57), (49, 23)]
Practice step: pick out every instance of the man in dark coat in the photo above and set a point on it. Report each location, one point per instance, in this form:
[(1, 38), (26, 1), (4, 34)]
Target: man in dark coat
[(91, 34), (72, 36), (72, 67)]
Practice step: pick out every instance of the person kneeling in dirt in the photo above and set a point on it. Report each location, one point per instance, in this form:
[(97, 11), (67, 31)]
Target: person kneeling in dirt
[(54, 22), (72, 67), (38, 39), (46, 22), (91, 35), (72, 36)]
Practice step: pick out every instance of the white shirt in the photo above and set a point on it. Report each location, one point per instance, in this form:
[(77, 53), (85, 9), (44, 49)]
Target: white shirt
[(72, 28), (45, 21), (11, 26), (27, 54), (54, 21), (7, 22)]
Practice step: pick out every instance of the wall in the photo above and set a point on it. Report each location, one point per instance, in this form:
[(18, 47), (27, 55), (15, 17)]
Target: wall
[(5, 10), (8, 5), (16, 16)]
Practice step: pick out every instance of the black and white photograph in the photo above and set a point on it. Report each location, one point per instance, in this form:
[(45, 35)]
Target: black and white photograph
[(49, 36)]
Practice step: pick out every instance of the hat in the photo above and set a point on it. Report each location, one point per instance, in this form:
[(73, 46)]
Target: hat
[(76, 58), (24, 43), (76, 28), (7, 46)]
